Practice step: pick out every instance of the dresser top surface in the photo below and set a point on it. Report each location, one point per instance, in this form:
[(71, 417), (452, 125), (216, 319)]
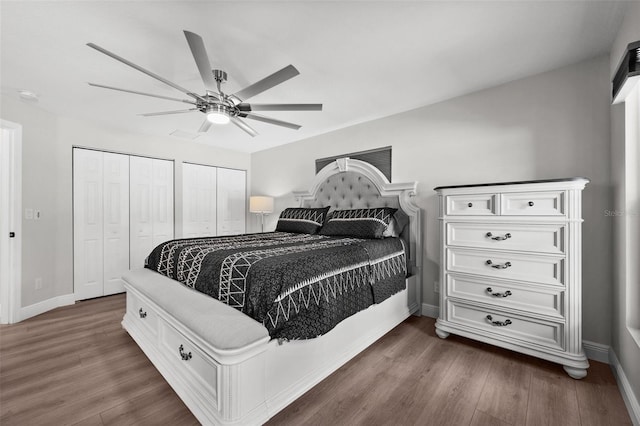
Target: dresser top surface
[(523, 182)]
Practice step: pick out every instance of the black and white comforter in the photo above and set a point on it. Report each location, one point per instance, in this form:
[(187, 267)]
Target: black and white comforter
[(298, 285)]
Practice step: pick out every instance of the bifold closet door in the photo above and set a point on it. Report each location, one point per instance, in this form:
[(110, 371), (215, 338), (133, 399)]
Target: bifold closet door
[(116, 221), (100, 222), (232, 197), (198, 200), (151, 206), (88, 224)]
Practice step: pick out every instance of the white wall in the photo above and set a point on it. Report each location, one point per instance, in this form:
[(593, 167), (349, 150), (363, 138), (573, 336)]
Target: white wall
[(550, 125), (625, 255), (47, 185)]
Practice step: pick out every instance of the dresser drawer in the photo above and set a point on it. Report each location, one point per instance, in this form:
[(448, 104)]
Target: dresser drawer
[(523, 237), (474, 205), (142, 312), (200, 371), (550, 203), (533, 299), (509, 266), (497, 323)]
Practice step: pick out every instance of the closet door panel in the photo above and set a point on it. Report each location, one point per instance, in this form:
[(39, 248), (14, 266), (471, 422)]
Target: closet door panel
[(162, 202), (208, 195), (116, 221), (231, 204), (88, 224), (199, 200), (141, 232), (190, 223)]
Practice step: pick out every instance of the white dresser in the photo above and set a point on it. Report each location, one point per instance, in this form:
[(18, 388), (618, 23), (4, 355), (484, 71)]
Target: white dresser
[(511, 267)]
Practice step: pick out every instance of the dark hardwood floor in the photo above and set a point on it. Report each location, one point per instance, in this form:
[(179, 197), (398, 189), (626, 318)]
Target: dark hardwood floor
[(76, 365)]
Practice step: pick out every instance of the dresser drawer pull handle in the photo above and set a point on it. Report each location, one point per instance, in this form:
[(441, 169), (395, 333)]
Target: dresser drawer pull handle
[(530, 203), (505, 266), (498, 238), (470, 205), (496, 294), (499, 323), (142, 313), (183, 355)]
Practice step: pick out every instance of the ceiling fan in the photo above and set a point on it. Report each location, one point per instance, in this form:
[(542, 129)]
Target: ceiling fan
[(219, 107)]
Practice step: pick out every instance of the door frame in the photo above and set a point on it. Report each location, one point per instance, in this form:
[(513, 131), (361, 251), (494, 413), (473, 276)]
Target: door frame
[(10, 221)]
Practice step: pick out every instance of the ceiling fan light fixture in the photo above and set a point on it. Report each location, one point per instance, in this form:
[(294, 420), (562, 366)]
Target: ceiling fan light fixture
[(218, 114)]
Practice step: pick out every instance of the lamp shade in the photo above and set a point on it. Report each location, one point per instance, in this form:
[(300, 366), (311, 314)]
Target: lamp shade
[(260, 204)]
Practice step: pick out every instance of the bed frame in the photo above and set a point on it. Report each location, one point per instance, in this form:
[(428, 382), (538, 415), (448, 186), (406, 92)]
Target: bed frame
[(222, 363)]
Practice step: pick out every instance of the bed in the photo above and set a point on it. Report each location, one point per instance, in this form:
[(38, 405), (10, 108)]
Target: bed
[(230, 368)]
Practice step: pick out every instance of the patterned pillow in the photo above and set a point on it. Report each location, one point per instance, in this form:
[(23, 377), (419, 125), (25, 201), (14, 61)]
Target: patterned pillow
[(302, 220), (361, 223)]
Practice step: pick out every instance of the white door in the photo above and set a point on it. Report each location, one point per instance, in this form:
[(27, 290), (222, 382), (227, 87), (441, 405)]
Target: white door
[(10, 221), (140, 221), (116, 221), (199, 200), (88, 224), (162, 202), (231, 204), (151, 206)]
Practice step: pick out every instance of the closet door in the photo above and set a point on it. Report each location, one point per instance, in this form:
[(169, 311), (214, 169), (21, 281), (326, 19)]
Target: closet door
[(141, 233), (198, 200), (231, 204), (162, 202), (88, 224), (151, 206), (116, 221)]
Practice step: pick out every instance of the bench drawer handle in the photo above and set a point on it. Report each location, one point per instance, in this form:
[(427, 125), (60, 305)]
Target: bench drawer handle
[(142, 313), (183, 355)]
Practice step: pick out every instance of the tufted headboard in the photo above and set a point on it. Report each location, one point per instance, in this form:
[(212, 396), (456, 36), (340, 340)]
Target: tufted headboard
[(354, 184)]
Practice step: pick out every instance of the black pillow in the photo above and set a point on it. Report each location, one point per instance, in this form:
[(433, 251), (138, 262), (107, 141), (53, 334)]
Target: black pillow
[(302, 220), (361, 223)]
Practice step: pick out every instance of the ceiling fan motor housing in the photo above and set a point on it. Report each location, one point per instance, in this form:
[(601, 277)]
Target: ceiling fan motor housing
[(219, 75)]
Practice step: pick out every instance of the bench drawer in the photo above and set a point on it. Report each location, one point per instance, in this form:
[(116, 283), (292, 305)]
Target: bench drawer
[(199, 370)]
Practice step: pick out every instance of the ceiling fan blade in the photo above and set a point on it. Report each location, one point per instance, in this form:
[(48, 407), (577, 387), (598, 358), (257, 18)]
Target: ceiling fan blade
[(279, 107), (206, 124), (271, 121), (180, 111), (244, 126), (202, 59), (144, 71), (267, 83), (143, 93)]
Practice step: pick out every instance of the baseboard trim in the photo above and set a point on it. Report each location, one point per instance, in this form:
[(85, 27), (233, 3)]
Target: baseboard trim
[(46, 305), (430, 311), (596, 351), (630, 399)]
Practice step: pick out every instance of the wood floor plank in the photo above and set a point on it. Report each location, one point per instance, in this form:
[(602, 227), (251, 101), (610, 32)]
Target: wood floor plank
[(455, 400), (598, 399), (484, 419), (552, 399), (76, 365), (506, 392)]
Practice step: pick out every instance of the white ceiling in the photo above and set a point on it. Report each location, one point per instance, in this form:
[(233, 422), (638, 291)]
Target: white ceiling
[(362, 60)]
